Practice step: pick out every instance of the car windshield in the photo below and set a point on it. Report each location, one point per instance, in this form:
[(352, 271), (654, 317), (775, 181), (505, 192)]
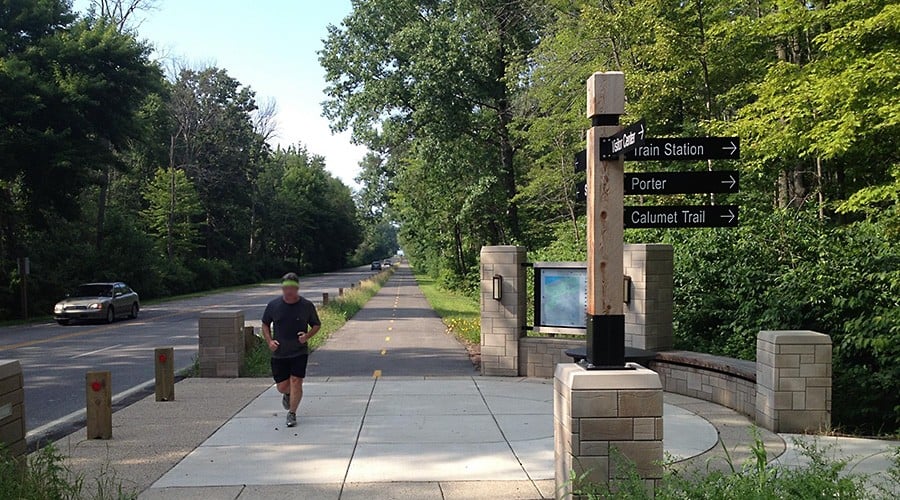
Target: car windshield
[(93, 291)]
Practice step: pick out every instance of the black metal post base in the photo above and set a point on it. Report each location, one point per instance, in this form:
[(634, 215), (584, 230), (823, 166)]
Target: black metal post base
[(605, 342)]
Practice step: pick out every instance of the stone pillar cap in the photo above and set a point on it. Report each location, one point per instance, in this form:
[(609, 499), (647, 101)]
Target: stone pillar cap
[(9, 367), (576, 377), (221, 313), (794, 337)]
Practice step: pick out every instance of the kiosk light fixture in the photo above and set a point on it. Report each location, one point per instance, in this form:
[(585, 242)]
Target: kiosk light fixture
[(498, 287)]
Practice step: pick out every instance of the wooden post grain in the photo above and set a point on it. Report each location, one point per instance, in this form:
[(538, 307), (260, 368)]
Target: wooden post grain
[(98, 388), (605, 224), (325, 298), (164, 363)]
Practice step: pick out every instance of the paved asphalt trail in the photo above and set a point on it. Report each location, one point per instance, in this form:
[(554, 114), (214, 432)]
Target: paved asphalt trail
[(397, 333), (55, 358)]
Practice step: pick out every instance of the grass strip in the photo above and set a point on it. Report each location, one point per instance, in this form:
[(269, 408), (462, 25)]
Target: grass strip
[(459, 312), (333, 316)]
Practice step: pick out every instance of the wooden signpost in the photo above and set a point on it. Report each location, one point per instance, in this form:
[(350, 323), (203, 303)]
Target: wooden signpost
[(605, 224), (608, 147)]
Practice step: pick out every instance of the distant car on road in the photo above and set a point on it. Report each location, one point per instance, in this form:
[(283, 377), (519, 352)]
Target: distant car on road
[(103, 301), (386, 263), (376, 266)]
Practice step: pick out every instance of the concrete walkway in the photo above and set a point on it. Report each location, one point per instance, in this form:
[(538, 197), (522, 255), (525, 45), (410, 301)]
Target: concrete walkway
[(477, 437), (397, 333)]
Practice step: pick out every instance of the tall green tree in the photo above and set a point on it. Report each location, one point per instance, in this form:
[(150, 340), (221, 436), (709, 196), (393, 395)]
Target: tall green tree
[(432, 85), (214, 141), (308, 217), (173, 211)]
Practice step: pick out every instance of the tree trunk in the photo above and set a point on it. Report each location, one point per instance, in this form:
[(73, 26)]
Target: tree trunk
[(820, 185), (101, 204), (170, 217), (460, 257)]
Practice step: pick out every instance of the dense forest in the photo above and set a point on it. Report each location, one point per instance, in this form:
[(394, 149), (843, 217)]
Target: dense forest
[(473, 110), (113, 167)]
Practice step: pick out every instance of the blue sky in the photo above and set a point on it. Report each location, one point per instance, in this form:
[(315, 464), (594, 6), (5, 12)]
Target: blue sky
[(269, 45)]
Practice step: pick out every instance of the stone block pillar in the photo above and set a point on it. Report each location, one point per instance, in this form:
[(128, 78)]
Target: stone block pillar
[(12, 408), (793, 381), (648, 315), (502, 321), (598, 411), (221, 343)]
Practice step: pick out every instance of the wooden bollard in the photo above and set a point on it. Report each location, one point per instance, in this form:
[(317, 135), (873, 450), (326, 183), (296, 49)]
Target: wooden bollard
[(340, 292), (325, 298), (164, 361), (98, 389)]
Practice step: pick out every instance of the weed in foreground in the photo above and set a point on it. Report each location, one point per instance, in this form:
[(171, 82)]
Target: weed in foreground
[(819, 477)]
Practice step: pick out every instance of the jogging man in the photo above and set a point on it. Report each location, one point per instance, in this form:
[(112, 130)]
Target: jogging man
[(296, 321)]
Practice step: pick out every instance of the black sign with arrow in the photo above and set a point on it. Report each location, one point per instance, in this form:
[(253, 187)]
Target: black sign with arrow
[(686, 148), (623, 141), (681, 216), (717, 181), (676, 149)]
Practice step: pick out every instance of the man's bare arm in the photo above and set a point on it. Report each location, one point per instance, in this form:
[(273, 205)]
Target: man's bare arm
[(267, 334), (308, 335)]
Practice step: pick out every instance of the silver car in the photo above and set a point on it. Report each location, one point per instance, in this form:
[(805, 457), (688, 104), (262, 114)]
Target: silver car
[(103, 301)]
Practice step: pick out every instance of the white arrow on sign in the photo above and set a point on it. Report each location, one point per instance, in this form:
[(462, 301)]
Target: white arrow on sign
[(731, 149), (731, 182), (730, 216), (642, 132)]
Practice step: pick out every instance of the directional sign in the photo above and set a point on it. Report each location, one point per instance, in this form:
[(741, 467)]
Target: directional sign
[(623, 141), (681, 216), (581, 161), (581, 191), (718, 181), (686, 148)]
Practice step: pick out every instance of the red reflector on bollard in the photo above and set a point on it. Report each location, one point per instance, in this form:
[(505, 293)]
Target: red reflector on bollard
[(96, 386), (162, 358)]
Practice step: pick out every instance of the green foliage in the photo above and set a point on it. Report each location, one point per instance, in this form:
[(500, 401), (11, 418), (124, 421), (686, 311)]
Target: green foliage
[(172, 212), (45, 476), (430, 88), (87, 119), (461, 313), (308, 216), (821, 477), (787, 270)]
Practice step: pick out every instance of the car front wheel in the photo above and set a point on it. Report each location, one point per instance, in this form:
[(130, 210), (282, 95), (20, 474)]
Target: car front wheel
[(134, 311), (110, 314), (63, 322)]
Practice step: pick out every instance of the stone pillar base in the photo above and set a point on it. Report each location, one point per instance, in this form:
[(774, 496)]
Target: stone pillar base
[(603, 416), (502, 321), (12, 408), (221, 343), (793, 381)]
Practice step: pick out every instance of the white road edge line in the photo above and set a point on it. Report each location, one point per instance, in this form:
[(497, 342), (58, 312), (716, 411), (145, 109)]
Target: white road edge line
[(95, 352)]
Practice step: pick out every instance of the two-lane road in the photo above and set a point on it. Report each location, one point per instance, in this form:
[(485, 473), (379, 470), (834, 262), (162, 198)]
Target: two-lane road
[(55, 358)]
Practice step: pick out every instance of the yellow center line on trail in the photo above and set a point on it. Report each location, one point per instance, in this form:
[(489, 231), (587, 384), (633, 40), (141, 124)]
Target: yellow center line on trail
[(387, 339), (383, 352), (376, 374)]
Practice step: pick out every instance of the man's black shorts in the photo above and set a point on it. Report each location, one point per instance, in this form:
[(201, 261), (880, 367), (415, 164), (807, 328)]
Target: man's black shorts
[(283, 368)]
